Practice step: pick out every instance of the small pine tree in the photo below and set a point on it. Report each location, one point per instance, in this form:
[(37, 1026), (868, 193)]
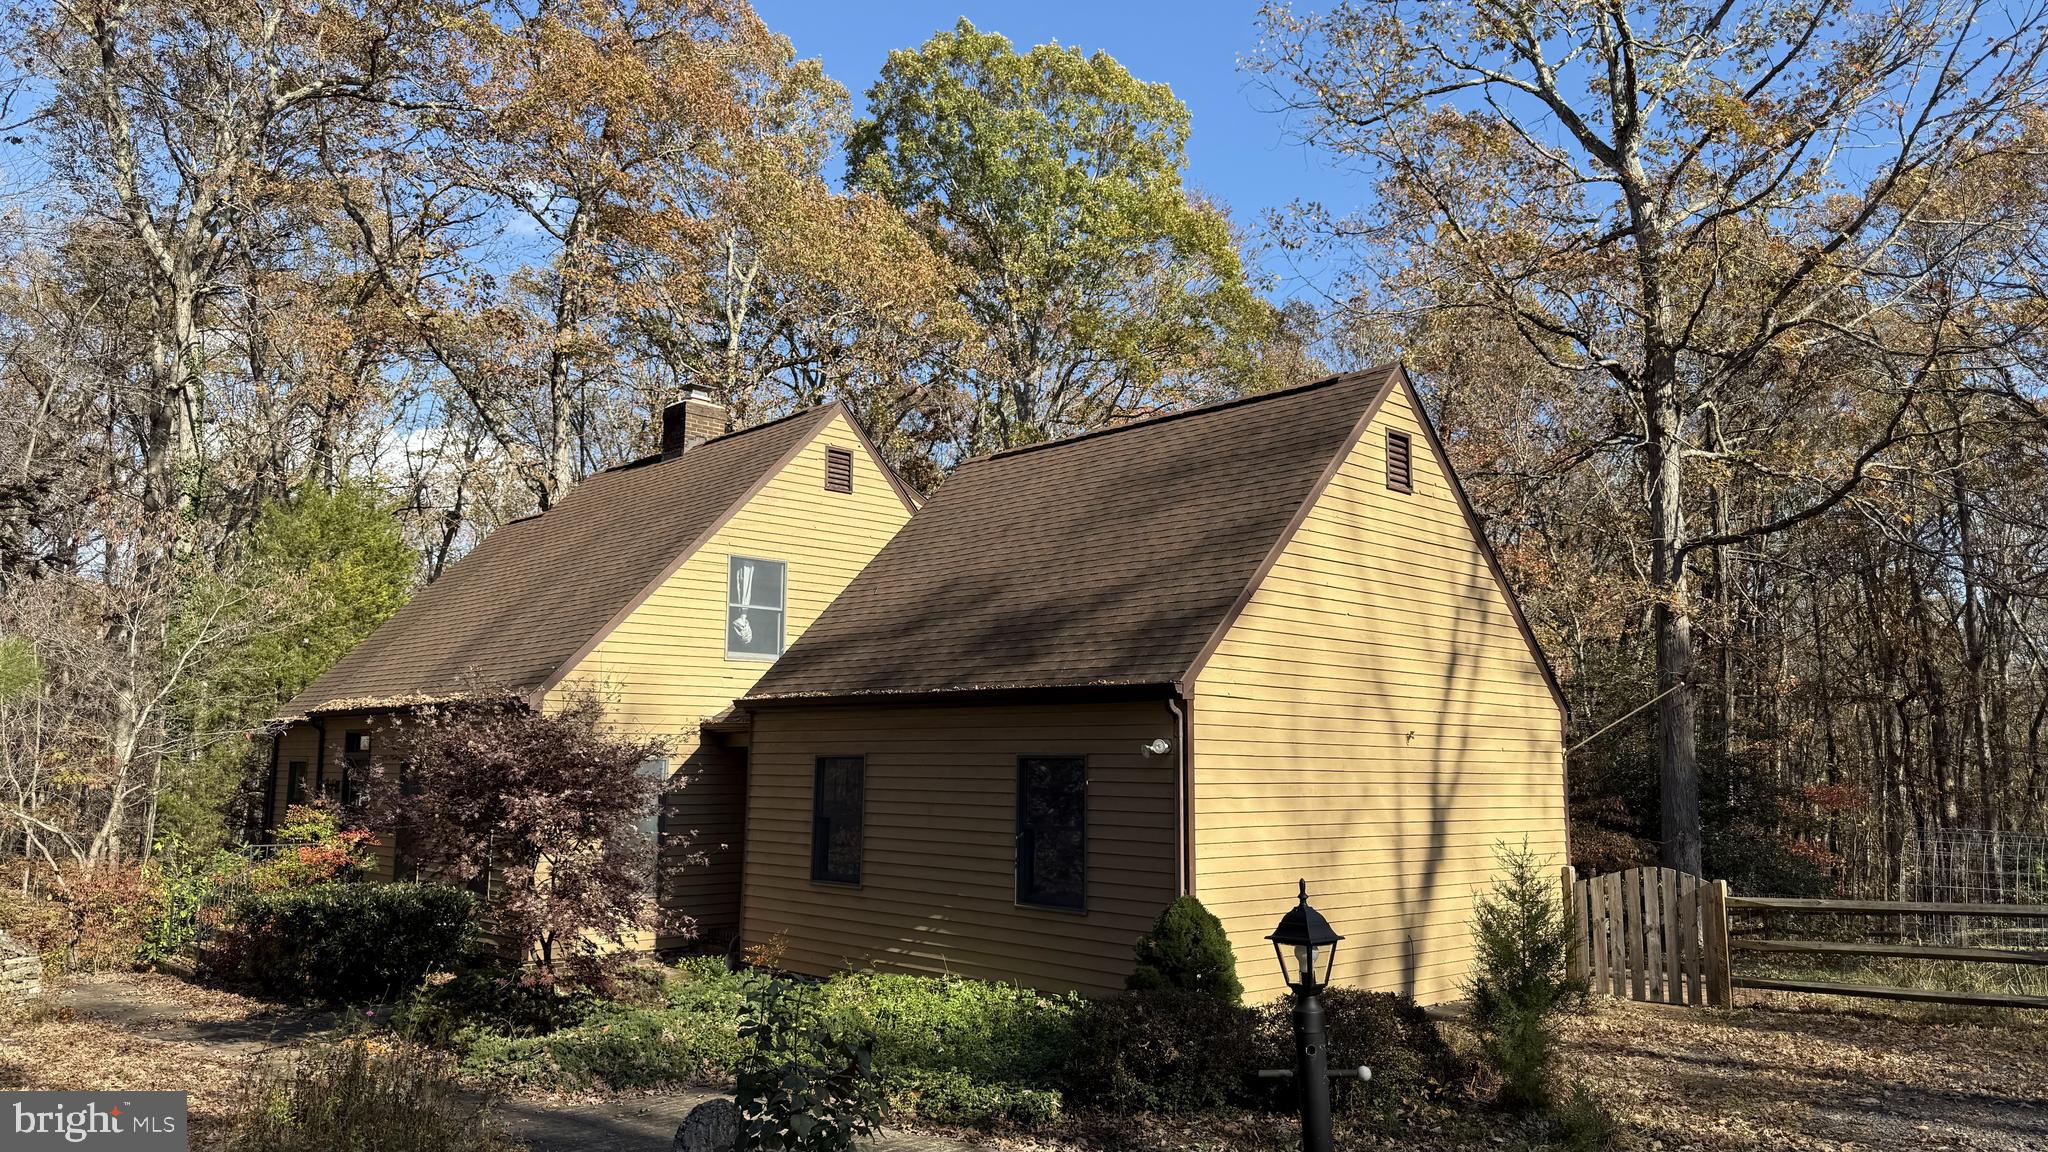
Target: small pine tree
[(1521, 976), (1523, 941), (1187, 951)]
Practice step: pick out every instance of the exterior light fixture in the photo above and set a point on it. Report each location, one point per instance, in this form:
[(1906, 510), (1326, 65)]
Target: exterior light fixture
[(1306, 947)]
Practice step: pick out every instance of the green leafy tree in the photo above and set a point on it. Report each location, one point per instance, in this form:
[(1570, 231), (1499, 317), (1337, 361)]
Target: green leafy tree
[(343, 560), (1187, 950), (20, 671), (322, 570), (1053, 177)]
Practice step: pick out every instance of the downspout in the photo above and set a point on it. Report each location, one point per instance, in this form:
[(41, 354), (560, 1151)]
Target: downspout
[(1184, 783), (265, 825), (319, 756)]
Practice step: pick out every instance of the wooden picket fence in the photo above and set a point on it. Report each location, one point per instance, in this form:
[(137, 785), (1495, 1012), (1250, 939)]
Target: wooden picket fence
[(1653, 934)]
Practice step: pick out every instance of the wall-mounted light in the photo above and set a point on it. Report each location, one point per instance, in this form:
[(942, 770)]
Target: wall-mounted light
[(1158, 748)]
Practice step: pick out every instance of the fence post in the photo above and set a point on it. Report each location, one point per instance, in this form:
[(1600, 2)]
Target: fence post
[(1714, 909), (1575, 916)]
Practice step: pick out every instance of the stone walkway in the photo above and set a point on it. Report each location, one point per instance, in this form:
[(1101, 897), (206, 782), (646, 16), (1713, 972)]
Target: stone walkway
[(642, 1123)]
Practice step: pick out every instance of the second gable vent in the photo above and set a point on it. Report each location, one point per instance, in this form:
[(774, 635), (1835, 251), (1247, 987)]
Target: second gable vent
[(838, 470), (1400, 464)]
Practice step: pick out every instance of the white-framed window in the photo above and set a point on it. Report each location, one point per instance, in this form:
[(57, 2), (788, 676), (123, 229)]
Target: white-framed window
[(656, 769), (753, 608)]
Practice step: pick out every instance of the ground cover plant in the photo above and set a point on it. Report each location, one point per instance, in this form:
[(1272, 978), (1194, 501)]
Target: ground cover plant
[(946, 1050)]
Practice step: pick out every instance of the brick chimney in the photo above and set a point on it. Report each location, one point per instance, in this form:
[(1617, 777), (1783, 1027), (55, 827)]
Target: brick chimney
[(692, 420)]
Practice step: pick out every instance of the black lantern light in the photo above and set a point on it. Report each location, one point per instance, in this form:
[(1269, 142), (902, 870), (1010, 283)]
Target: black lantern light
[(1306, 946)]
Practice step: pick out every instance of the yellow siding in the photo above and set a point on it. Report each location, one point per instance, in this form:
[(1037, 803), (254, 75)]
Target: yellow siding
[(663, 670), (938, 881), (1375, 723), (302, 741)]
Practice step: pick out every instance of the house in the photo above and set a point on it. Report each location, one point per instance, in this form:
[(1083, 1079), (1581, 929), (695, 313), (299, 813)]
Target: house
[(1211, 653), (667, 585)]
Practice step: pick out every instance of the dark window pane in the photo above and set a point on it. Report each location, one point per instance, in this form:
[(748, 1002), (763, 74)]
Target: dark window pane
[(837, 799), (295, 793), (355, 766), (1052, 831)]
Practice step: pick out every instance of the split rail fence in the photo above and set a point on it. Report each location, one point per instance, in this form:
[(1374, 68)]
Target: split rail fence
[(1663, 936)]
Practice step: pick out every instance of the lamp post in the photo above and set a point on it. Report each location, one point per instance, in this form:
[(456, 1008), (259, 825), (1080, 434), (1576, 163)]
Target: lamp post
[(1306, 946)]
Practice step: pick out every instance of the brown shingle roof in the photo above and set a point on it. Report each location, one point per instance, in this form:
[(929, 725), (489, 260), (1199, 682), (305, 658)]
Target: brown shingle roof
[(534, 592), (1105, 559)]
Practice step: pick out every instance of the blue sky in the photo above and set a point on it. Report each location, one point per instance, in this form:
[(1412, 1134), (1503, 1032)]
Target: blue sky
[(1237, 153)]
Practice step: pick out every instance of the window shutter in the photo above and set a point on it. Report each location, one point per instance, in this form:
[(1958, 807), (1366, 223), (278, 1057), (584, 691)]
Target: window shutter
[(838, 470), (1400, 464)]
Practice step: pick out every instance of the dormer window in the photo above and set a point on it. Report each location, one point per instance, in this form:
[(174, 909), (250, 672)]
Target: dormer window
[(753, 608)]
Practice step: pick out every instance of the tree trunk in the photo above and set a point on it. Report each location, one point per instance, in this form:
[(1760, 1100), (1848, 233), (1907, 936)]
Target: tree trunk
[(1678, 775)]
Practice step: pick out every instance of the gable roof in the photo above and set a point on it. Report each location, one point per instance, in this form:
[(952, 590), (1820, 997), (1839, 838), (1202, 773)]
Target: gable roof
[(1111, 558), (536, 594)]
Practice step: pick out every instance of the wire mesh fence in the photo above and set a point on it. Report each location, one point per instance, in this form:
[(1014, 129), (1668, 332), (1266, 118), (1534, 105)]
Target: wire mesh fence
[(1952, 866), (1985, 866)]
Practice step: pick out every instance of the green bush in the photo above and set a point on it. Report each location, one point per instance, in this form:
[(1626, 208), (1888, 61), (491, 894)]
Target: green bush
[(342, 943), (1187, 951), (806, 1083), (994, 1033), (487, 989), (360, 1097), (1161, 1052), (957, 1098), (1580, 1123), (1383, 1031), (1523, 941), (691, 1037)]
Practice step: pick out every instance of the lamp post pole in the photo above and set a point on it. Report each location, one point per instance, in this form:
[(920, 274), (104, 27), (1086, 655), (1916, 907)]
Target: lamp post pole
[(1312, 1071)]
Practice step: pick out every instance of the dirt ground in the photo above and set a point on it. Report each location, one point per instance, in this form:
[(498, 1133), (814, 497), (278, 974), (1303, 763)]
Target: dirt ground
[(1810, 1073), (1781, 1072)]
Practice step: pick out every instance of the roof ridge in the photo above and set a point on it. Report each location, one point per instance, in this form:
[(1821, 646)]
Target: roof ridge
[(1197, 410), (658, 458)]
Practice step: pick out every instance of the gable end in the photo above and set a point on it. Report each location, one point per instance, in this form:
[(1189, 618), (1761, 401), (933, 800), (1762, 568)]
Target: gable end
[(1399, 379), (539, 694)]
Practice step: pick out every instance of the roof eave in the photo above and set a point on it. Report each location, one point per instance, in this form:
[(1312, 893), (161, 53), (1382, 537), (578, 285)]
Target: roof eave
[(1136, 689)]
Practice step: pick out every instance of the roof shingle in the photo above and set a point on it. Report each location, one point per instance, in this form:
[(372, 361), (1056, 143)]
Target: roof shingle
[(505, 617), (1104, 559)]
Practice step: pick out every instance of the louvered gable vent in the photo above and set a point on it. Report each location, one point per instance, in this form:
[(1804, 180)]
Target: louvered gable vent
[(838, 470), (1400, 464)]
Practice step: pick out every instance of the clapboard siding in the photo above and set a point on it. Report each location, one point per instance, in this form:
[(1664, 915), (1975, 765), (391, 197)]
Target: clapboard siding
[(937, 890), (663, 670), (301, 740), (1374, 722)]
